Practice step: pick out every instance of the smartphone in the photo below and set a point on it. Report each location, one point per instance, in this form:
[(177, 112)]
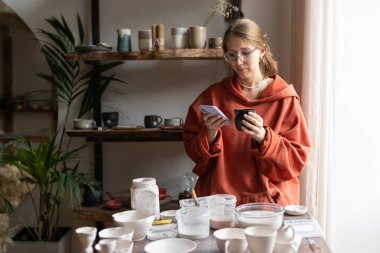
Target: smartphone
[(213, 110)]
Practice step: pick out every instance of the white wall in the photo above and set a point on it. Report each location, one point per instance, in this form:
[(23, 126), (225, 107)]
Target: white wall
[(165, 88)]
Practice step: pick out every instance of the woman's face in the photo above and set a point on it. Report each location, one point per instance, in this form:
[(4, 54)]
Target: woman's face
[(243, 58)]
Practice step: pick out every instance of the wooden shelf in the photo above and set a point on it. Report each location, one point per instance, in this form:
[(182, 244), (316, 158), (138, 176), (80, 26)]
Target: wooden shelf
[(33, 137), (168, 54), (155, 134)]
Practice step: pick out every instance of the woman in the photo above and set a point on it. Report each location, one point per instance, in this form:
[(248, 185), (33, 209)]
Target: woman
[(262, 162)]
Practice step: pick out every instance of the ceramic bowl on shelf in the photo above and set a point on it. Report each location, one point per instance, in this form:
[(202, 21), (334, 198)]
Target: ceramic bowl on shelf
[(114, 204), (139, 220), (260, 214)]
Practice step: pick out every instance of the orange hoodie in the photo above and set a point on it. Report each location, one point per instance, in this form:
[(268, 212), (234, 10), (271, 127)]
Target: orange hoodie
[(234, 163)]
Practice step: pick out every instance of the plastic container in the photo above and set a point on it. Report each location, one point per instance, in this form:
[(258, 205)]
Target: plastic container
[(145, 195), (193, 222), (190, 202), (222, 210)]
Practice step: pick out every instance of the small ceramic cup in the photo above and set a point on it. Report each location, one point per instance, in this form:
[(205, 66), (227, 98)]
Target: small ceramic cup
[(231, 240), (215, 42), (239, 117), (86, 236), (107, 245), (261, 239)]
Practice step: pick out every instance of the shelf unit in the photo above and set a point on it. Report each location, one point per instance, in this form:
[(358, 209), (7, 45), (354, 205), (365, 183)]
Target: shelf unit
[(8, 109), (98, 137)]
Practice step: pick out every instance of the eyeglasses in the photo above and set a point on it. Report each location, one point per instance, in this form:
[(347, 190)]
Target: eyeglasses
[(244, 54)]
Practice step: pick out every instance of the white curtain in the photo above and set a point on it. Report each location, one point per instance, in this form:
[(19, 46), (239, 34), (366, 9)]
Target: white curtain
[(337, 66)]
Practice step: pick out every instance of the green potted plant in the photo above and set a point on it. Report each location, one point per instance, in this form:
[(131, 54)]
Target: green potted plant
[(54, 163)]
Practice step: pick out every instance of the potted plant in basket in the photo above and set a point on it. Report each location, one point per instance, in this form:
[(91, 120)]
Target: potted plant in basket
[(54, 163)]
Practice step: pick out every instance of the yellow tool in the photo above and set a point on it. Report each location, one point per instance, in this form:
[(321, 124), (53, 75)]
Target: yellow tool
[(161, 222)]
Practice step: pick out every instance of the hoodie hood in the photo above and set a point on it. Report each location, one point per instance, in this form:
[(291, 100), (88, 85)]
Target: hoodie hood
[(278, 89)]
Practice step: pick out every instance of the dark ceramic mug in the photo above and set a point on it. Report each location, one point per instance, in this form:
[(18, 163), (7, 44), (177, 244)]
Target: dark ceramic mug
[(239, 116), (110, 119), (152, 121)]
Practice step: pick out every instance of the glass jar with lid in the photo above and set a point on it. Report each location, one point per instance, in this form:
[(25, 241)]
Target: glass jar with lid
[(145, 195)]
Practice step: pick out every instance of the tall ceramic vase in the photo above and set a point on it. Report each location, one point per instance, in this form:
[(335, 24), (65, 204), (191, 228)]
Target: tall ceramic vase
[(86, 236), (197, 37)]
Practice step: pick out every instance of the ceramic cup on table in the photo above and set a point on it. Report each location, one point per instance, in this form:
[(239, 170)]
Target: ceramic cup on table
[(152, 121), (231, 240), (107, 245), (286, 236), (239, 117), (175, 122), (260, 239), (86, 236), (197, 37)]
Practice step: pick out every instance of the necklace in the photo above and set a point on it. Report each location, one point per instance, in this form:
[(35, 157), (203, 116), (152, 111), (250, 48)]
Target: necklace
[(253, 86)]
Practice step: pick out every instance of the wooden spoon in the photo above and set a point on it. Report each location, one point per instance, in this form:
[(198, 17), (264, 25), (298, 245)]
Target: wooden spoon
[(194, 195)]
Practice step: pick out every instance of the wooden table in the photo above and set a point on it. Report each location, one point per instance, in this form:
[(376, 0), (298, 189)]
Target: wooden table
[(208, 245)]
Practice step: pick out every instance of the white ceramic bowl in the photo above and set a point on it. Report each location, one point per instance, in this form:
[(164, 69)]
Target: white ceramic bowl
[(125, 233), (169, 214), (170, 245), (260, 214), (122, 246), (140, 221)]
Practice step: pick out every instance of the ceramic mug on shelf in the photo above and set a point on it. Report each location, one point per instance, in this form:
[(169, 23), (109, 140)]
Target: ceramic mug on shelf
[(83, 124), (197, 37), (215, 42), (145, 40), (124, 43), (152, 121), (110, 119), (179, 37), (175, 122)]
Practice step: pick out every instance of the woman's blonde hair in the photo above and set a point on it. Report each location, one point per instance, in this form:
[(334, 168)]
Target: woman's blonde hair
[(250, 32)]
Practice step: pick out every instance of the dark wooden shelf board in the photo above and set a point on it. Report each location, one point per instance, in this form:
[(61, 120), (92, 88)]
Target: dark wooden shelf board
[(168, 54), (128, 135), (34, 137)]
